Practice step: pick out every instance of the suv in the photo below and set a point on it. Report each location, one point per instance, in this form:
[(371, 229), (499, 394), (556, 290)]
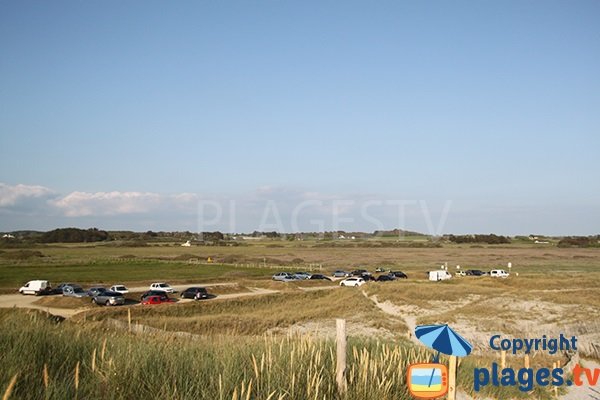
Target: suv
[(165, 287), (498, 273), (195, 293), (109, 298)]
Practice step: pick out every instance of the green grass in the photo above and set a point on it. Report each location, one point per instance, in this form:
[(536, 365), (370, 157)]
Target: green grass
[(109, 272)]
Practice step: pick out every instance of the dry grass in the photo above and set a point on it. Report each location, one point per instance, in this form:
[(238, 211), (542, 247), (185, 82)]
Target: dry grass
[(63, 302), (257, 315)]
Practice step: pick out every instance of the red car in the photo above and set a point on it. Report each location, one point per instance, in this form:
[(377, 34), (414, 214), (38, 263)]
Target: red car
[(151, 300)]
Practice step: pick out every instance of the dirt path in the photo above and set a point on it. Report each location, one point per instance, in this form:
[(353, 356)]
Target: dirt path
[(20, 301)]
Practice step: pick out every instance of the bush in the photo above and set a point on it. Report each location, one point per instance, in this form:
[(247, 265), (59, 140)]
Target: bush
[(489, 239), (21, 254), (74, 235), (579, 241)]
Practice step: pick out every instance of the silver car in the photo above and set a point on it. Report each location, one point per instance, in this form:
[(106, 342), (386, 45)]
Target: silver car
[(301, 275), (109, 298), (283, 277)]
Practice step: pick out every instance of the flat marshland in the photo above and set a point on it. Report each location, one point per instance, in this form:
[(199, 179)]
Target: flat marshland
[(260, 339)]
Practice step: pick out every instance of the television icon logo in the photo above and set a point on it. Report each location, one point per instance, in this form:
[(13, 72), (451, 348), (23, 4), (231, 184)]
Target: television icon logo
[(427, 380)]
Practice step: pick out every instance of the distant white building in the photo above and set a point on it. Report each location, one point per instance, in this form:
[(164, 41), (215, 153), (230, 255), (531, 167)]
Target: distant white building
[(187, 244), (7, 236)]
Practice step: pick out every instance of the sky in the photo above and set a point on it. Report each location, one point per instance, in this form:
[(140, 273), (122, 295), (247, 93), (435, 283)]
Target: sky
[(440, 117)]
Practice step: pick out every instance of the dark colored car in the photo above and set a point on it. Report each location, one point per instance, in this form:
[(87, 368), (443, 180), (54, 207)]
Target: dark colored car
[(95, 291), (74, 291), (59, 289), (319, 276), (109, 298), (368, 277), (398, 274), (360, 272), (195, 293), (151, 293), (475, 272), (385, 278)]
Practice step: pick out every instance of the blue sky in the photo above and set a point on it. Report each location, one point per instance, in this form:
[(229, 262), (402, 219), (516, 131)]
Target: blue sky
[(130, 115)]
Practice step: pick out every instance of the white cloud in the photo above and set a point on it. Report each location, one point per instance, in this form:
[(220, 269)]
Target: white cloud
[(81, 204), (14, 195)]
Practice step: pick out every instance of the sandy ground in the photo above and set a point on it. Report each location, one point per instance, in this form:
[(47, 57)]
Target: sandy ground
[(409, 314)]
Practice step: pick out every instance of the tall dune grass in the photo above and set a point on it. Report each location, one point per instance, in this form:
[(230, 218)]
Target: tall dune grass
[(87, 361)]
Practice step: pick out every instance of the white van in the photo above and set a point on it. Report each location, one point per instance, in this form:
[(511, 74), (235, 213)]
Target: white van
[(439, 275), (498, 273), (35, 287)]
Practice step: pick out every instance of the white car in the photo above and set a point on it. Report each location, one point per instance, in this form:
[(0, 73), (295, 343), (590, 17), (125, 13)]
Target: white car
[(119, 289), (354, 281), (499, 273), (165, 287)]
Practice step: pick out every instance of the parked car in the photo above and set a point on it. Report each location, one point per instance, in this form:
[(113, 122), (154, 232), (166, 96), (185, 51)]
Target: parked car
[(152, 293), (301, 275), (354, 281), (119, 289), (475, 272), (380, 269), (109, 298), (165, 287), (460, 273), (195, 293), (37, 287), (499, 273), (283, 277), (319, 276), (398, 274), (368, 277), (74, 291), (360, 272), (157, 299), (59, 289), (93, 292), (385, 278), (340, 274)]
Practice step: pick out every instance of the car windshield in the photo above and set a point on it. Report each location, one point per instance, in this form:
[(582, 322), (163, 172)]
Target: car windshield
[(78, 290), (112, 294), (163, 285), (120, 288)]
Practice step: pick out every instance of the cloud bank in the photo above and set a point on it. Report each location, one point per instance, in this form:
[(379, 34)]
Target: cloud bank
[(282, 209)]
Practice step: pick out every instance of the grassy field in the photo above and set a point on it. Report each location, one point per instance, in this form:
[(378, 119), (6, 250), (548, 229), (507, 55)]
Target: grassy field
[(555, 291)]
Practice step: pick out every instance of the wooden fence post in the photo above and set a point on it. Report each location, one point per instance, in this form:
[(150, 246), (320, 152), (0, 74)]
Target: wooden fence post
[(452, 379), (340, 368)]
